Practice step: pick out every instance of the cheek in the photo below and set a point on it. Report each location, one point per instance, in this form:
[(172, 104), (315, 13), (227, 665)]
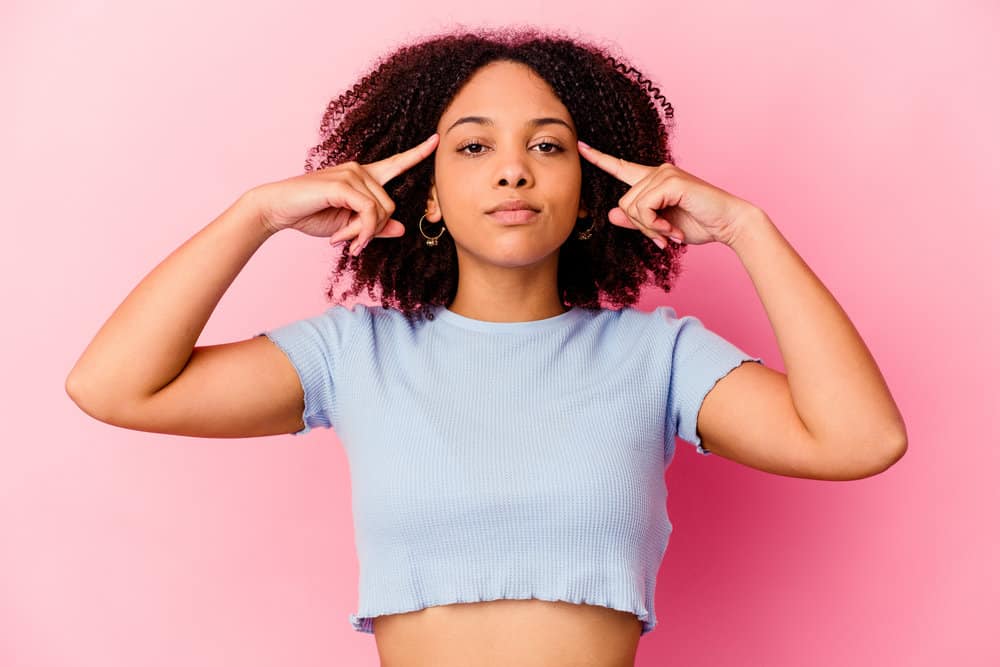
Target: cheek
[(448, 185), (456, 197), (566, 188), (570, 176)]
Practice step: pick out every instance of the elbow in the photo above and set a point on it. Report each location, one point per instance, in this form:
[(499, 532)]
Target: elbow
[(897, 446), (888, 449), (897, 451), (73, 390), (77, 392), (888, 457)]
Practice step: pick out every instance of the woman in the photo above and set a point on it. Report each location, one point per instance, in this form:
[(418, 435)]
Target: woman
[(506, 434)]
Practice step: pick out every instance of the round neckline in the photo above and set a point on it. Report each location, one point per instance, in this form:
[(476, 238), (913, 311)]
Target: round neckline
[(527, 326)]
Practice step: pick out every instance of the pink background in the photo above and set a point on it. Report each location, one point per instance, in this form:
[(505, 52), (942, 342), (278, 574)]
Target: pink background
[(868, 134)]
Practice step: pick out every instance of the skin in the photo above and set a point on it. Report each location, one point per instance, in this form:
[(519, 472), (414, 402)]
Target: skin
[(506, 274)]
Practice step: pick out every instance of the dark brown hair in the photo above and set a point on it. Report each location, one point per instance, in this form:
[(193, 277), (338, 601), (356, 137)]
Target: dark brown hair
[(398, 105)]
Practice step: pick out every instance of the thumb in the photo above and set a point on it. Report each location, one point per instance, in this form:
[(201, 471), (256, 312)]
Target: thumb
[(393, 228), (619, 218)]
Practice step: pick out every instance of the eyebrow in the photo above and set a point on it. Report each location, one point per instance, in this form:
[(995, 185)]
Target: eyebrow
[(534, 122)]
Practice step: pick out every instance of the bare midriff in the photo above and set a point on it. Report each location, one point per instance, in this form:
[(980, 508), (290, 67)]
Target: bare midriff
[(500, 633)]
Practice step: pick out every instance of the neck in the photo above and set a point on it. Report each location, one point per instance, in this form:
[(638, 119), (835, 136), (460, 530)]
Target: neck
[(508, 294)]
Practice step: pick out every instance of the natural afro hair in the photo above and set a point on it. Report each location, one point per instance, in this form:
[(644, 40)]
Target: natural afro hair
[(399, 104)]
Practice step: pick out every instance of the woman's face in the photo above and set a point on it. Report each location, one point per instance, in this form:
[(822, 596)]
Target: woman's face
[(479, 164)]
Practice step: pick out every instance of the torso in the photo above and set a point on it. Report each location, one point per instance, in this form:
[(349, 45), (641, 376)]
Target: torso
[(499, 633)]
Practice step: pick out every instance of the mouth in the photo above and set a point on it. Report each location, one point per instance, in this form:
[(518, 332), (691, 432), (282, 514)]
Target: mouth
[(513, 205), (517, 216), (513, 211)]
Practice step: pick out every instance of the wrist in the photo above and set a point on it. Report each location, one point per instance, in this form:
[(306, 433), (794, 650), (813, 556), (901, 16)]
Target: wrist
[(751, 225), (249, 206)]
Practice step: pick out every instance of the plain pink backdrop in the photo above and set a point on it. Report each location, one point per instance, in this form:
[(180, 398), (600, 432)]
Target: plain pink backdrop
[(867, 132)]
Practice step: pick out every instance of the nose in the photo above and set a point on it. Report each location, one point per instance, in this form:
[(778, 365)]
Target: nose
[(513, 168)]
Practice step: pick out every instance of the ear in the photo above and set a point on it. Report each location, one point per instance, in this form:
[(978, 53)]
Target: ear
[(433, 209)]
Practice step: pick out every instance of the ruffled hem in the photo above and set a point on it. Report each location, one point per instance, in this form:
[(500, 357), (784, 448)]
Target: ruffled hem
[(365, 623)]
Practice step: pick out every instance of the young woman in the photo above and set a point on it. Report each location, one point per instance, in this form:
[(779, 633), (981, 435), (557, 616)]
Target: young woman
[(507, 434)]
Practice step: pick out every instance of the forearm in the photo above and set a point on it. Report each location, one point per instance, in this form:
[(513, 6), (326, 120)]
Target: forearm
[(149, 338), (836, 386)]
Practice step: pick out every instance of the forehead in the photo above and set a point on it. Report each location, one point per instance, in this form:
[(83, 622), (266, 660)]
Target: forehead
[(508, 93)]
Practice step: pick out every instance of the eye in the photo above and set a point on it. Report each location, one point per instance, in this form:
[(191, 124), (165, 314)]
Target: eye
[(469, 145), (555, 147)]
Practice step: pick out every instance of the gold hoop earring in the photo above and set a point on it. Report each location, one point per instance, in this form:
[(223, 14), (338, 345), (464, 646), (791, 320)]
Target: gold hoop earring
[(431, 240), (587, 233)]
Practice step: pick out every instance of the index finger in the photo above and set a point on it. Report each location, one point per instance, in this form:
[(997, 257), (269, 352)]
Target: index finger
[(623, 170), (394, 165)]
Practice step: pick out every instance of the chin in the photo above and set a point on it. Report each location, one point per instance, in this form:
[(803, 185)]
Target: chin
[(516, 254)]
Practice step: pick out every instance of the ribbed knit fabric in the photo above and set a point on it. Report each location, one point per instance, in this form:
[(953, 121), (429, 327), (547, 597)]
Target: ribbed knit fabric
[(507, 459)]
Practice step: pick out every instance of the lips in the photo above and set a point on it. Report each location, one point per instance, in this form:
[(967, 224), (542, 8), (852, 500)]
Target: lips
[(517, 216), (514, 205)]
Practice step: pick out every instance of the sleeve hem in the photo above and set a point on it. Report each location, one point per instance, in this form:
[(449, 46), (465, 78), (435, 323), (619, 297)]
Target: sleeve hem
[(724, 357), (308, 374)]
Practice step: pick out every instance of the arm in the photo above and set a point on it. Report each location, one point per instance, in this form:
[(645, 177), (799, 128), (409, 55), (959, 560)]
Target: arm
[(833, 383), (150, 337), (832, 416)]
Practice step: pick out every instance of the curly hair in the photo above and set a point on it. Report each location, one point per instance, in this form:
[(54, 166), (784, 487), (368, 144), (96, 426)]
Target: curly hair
[(399, 104)]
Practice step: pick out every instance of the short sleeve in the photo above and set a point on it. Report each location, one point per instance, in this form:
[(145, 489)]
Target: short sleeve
[(699, 359), (315, 346)]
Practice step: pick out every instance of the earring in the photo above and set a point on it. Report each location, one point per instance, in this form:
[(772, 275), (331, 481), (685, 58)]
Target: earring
[(431, 240), (587, 233)]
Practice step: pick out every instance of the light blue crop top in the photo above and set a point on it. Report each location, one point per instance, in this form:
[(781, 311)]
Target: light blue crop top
[(507, 459)]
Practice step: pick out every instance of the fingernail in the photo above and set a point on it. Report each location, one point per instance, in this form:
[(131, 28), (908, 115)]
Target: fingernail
[(584, 143), (660, 242), (676, 239)]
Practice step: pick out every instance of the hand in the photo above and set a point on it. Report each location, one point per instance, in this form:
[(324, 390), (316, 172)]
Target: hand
[(666, 200), (346, 200)]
